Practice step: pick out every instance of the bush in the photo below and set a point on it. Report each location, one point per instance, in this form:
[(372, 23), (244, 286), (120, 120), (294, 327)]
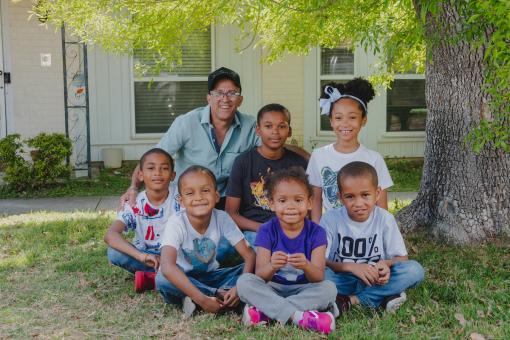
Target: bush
[(47, 167)]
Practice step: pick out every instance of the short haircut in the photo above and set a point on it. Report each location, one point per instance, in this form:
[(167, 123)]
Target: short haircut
[(294, 173), (156, 151), (194, 169), (273, 107), (357, 169)]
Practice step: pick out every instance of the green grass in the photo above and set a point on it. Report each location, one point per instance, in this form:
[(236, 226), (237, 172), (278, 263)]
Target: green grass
[(108, 183), (406, 173), (56, 283)]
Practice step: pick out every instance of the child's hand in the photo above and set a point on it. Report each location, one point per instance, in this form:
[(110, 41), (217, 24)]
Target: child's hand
[(278, 260), (384, 273), (151, 260), (210, 304), (366, 273), (231, 299), (297, 260)]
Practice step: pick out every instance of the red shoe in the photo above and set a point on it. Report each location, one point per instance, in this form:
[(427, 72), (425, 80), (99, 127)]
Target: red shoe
[(145, 281)]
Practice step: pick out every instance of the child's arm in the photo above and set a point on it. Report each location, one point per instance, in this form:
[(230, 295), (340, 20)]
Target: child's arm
[(364, 271), (383, 199), (247, 254), (314, 269), (268, 264), (316, 204), (231, 298), (232, 206), (115, 240), (175, 275)]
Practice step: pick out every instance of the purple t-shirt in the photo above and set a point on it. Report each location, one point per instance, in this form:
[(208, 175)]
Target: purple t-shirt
[(272, 237)]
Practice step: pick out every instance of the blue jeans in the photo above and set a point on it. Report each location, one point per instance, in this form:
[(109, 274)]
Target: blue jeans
[(207, 282), (127, 262), (225, 249), (403, 275)]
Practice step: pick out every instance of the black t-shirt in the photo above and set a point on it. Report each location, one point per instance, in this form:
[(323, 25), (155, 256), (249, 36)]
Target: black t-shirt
[(246, 181)]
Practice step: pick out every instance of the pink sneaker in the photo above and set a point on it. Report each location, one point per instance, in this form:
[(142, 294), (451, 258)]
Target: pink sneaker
[(253, 317), (322, 322)]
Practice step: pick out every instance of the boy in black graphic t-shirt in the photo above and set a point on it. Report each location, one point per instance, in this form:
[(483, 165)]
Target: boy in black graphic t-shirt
[(247, 203), (365, 248)]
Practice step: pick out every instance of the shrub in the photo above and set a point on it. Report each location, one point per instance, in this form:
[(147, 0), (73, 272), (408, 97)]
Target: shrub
[(47, 167)]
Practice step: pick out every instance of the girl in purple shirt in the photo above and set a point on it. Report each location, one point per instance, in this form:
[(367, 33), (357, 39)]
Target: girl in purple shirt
[(288, 284)]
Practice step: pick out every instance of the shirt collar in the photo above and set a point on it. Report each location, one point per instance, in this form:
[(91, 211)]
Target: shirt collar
[(205, 117)]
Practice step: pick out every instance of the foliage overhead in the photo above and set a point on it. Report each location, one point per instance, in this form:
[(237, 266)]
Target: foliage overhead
[(394, 29)]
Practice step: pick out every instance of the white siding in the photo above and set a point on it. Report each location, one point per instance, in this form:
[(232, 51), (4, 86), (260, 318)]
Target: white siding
[(283, 84), (37, 92)]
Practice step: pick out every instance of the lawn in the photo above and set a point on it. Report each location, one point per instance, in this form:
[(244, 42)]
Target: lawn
[(56, 282), (405, 173)]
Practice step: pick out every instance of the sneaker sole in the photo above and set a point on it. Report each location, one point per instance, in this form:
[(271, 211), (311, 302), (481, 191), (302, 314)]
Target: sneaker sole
[(395, 304), (333, 323), (188, 307), (246, 317)]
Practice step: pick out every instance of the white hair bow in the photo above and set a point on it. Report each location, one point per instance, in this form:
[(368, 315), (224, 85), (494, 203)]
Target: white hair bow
[(334, 95)]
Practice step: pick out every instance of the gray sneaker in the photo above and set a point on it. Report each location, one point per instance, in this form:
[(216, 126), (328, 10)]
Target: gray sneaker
[(392, 303), (188, 307)]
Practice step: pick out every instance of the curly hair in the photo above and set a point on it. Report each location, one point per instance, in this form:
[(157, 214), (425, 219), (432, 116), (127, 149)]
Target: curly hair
[(357, 87), (294, 173)]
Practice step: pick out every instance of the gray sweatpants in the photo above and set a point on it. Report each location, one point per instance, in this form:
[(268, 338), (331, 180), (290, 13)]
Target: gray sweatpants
[(280, 302)]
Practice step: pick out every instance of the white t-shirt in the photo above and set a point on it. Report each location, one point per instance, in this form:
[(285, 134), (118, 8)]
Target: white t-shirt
[(325, 163), (197, 251), (148, 220), (362, 242)]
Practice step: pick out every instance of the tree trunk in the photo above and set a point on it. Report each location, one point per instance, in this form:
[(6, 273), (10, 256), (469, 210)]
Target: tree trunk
[(464, 197)]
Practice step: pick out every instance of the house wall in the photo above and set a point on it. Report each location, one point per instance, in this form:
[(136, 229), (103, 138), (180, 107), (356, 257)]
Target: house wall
[(37, 103), (282, 83), (36, 92), (111, 94)]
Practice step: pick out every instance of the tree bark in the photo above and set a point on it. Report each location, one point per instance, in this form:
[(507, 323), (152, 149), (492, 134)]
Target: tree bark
[(464, 197)]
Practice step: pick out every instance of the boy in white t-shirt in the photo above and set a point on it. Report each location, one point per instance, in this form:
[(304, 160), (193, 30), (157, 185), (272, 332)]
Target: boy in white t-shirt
[(147, 219), (189, 270), (367, 256)]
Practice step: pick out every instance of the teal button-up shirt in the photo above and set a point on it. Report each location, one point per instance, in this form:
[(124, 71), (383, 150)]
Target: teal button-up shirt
[(190, 141)]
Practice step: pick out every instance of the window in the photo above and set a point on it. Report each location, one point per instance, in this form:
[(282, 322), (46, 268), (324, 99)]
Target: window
[(336, 64), (160, 98), (405, 105)]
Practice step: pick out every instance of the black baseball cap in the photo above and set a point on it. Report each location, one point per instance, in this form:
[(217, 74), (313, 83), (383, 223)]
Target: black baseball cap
[(223, 73)]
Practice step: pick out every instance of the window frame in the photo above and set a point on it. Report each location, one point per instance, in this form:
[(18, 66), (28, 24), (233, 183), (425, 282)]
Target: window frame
[(156, 136), (331, 77), (374, 137), (407, 133)]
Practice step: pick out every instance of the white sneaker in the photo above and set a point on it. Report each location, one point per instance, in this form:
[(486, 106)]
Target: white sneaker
[(393, 303), (188, 307)]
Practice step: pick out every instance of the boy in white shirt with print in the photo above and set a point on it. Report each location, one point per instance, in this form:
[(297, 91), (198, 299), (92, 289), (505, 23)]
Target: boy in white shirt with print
[(147, 219), (367, 256), (189, 271)]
